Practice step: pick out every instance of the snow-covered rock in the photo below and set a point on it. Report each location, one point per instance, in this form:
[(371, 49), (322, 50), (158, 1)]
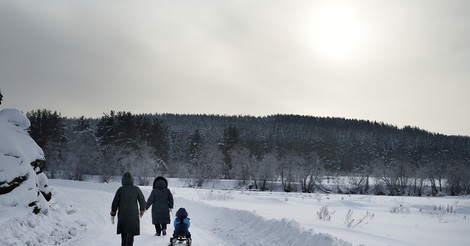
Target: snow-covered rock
[(23, 185)]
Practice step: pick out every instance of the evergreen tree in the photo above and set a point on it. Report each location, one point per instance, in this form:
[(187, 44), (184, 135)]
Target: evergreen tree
[(81, 155), (48, 130), (230, 140)]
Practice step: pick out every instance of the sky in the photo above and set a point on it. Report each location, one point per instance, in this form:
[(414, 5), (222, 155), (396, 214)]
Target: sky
[(401, 62)]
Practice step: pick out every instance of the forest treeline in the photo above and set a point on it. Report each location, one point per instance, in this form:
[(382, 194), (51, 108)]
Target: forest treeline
[(294, 152)]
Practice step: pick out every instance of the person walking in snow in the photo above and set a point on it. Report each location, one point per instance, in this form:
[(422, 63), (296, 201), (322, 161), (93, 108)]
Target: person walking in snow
[(127, 201), (161, 201)]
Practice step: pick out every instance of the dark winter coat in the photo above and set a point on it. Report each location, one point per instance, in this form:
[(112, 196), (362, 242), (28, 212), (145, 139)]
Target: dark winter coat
[(126, 202), (161, 201)]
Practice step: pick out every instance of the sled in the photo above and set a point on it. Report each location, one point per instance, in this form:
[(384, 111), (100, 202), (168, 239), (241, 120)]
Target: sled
[(180, 239)]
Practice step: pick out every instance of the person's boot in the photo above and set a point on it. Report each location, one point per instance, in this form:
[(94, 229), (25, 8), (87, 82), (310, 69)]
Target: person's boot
[(164, 232)]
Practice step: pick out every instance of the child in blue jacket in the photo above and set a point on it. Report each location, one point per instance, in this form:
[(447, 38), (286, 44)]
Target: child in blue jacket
[(181, 223)]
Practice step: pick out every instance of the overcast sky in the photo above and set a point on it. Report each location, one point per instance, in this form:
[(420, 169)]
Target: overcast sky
[(401, 62)]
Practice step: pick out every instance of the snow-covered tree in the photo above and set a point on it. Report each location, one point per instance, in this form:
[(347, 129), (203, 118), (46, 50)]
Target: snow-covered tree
[(48, 130), (288, 169), (81, 156), (264, 171), (22, 181), (145, 164), (230, 143), (311, 172)]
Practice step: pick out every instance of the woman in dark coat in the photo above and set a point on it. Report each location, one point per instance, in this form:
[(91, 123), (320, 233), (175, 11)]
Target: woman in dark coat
[(161, 201), (125, 204)]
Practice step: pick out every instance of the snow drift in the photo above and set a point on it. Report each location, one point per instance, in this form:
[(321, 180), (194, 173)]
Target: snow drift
[(23, 185), (246, 228)]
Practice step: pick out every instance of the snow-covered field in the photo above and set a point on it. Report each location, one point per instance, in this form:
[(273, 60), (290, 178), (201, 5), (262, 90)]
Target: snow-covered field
[(79, 215)]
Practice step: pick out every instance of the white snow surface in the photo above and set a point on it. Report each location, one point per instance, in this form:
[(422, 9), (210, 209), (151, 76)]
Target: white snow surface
[(17, 151), (79, 215)]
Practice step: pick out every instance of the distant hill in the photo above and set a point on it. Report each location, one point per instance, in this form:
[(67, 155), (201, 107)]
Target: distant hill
[(290, 148)]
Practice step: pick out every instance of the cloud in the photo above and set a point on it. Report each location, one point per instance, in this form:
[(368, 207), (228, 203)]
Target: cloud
[(235, 57)]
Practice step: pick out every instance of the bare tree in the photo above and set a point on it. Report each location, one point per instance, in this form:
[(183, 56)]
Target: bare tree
[(310, 171), (207, 165), (359, 180), (458, 178), (81, 155), (396, 175), (436, 170), (288, 170), (241, 160), (263, 171), (110, 156), (146, 164)]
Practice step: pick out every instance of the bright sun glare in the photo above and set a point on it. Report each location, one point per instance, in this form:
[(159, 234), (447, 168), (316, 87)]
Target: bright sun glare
[(336, 31)]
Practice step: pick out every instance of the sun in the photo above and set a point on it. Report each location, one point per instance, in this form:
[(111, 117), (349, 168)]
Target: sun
[(336, 32)]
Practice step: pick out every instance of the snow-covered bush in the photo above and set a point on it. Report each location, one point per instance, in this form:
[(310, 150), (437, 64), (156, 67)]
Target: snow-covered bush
[(445, 209), (318, 197), (215, 195), (22, 182), (350, 222), (440, 211), (399, 209), (325, 213)]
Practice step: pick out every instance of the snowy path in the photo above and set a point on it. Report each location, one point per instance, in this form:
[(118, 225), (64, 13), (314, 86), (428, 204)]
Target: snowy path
[(92, 208), (79, 215), (209, 225)]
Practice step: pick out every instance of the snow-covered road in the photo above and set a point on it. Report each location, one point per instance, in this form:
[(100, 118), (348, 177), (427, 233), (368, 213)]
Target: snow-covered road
[(89, 209), (79, 215)]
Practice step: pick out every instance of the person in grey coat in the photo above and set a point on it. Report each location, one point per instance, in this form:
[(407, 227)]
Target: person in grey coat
[(161, 201), (127, 201)]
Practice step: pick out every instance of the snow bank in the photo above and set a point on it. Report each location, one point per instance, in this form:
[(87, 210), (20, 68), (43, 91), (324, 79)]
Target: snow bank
[(79, 215), (72, 215), (53, 228), (23, 186)]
